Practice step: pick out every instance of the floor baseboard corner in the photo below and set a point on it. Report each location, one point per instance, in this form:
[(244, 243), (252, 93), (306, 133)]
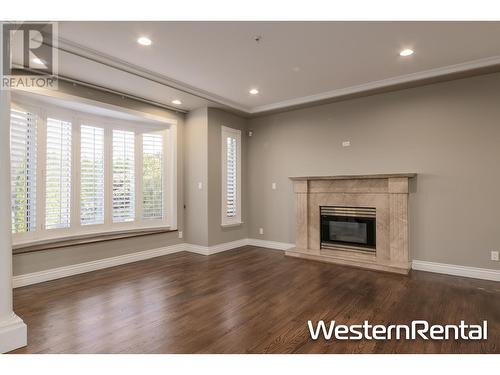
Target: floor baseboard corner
[(271, 244), (13, 334)]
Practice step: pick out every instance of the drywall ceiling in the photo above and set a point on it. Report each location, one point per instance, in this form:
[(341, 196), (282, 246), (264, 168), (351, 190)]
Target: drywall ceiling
[(293, 63)]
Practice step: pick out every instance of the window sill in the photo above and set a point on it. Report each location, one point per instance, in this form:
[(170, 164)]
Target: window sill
[(84, 238), (230, 225)]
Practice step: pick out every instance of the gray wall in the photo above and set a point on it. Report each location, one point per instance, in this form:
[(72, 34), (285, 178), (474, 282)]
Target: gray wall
[(202, 163), (195, 171), (448, 133), (216, 233), (42, 260)]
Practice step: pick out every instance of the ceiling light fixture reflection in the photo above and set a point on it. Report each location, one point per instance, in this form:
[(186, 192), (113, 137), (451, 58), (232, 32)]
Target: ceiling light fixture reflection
[(144, 41), (406, 52)]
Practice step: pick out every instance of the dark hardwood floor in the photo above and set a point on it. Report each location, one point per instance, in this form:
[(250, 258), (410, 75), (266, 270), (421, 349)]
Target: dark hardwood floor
[(249, 300)]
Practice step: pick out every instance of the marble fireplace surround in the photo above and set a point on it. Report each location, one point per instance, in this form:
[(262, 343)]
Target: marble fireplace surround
[(388, 193)]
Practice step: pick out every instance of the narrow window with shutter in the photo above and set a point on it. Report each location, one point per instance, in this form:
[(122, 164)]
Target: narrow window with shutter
[(58, 174), (152, 177), (231, 176), (23, 153), (123, 176), (91, 175)]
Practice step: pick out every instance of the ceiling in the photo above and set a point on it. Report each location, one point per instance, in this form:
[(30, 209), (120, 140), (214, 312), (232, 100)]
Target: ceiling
[(217, 63)]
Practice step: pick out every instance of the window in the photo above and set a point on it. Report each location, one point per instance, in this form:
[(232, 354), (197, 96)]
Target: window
[(91, 175), (231, 176), (152, 177), (123, 176), (58, 174), (23, 156)]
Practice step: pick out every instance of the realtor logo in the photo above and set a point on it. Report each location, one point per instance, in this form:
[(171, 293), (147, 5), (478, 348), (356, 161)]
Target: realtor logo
[(29, 55)]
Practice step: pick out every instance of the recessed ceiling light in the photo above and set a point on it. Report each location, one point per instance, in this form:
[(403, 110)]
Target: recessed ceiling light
[(36, 60), (176, 102), (254, 91), (144, 41), (406, 52)]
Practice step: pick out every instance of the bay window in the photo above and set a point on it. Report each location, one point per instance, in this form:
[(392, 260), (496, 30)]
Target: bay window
[(77, 173)]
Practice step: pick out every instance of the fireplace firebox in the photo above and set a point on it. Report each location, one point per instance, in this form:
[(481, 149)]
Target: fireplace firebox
[(348, 228)]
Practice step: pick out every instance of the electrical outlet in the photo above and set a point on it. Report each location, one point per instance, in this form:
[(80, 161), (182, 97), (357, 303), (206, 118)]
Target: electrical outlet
[(180, 234), (494, 255), (346, 143), (273, 186), (261, 230), (200, 185)]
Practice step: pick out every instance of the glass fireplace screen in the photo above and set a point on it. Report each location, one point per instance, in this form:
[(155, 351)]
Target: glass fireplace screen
[(348, 227)]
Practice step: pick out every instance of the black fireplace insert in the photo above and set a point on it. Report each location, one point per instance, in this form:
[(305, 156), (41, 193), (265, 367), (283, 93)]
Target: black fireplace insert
[(351, 227)]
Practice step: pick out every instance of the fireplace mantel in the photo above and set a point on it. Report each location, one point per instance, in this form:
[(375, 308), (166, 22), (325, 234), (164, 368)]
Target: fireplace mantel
[(353, 177), (386, 193)]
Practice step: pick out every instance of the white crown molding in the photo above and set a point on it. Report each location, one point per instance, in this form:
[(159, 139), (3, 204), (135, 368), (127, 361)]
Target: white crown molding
[(394, 81), (455, 270), (113, 62), (13, 333), (76, 49)]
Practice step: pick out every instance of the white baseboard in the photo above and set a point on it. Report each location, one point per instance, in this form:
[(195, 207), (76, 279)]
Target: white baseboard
[(209, 250), (75, 269), (452, 269), (60, 272), (13, 333), (271, 244)]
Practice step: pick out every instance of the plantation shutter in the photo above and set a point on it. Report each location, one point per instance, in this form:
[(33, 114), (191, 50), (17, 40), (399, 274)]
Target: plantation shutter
[(23, 151), (91, 175), (123, 176), (58, 174), (152, 178), (231, 179)]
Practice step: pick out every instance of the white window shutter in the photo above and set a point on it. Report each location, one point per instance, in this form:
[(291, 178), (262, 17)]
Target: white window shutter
[(152, 178), (231, 180), (231, 176), (91, 175), (23, 153), (58, 174), (123, 176)]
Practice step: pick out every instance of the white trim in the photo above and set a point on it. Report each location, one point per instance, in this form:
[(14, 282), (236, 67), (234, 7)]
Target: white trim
[(13, 333), (393, 81), (210, 250), (115, 63), (75, 269), (106, 60), (452, 269), (271, 244)]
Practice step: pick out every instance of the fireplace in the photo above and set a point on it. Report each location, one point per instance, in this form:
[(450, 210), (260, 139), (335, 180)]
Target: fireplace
[(349, 228), (360, 221)]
